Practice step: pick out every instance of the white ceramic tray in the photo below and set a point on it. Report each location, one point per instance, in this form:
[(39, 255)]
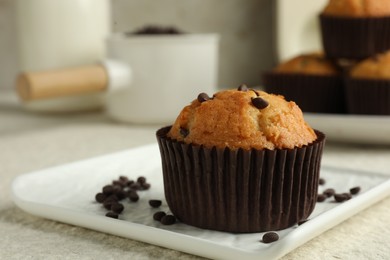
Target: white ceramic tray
[(362, 129), (66, 193)]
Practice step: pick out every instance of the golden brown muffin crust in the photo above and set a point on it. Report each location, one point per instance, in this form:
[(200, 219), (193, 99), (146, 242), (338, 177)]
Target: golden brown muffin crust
[(377, 67), (230, 120), (358, 8), (313, 64)]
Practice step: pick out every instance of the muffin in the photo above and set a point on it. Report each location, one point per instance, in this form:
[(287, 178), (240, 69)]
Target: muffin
[(305, 78), (355, 29), (368, 86), (240, 161)]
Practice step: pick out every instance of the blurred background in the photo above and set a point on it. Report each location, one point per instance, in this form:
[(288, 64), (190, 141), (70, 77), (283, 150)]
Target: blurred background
[(245, 28)]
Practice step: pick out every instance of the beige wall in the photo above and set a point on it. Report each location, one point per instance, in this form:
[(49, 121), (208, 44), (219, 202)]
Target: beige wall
[(245, 26)]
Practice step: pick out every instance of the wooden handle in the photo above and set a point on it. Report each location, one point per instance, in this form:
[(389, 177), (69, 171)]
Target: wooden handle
[(59, 83)]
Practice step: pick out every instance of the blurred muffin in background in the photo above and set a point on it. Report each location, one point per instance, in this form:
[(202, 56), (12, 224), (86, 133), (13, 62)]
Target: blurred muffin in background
[(314, 82), (368, 86), (355, 29)]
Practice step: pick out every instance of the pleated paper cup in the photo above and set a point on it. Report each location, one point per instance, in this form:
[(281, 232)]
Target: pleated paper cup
[(354, 38), (312, 93), (368, 96), (240, 191)]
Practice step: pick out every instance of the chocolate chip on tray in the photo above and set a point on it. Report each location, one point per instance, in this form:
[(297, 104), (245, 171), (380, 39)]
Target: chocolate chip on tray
[(259, 103), (329, 192), (321, 198), (347, 195), (145, 186), (159, 215), (108, 189), (141, 179), (117, 207), (321, 181), (354, 190), (133, 196), (340, 197), (202, 97), (112, 215), (168, 220), (155, 203), (270, 237), (100, 197)]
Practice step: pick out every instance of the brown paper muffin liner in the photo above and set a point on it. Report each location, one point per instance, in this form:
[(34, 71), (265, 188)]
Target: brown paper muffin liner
[(312, 93), (240, 191), (354, 38), (368, 96)]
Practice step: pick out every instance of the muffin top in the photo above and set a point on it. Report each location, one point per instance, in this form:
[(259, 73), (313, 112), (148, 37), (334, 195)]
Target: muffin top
[(358, 8), (313, 64), (242, 118), (377, 67)]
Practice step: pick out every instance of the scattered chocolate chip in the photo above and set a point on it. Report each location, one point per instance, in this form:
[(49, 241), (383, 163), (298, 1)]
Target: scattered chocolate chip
[(123, 179), (347, 195), (121, 194), (321, 181), (302, 222), (108, 189), (184, 132), (168, 220), (321, 198), (129, 182), (112, 197), (112, 215), (145, 186), (243, 88), (108, 203), (254, 91), (135, 186), (133, 196), (155, 203), (259, 103), (202, 97), (340, 197), (159, 215), (270, 237), (329, 192), (117, 207), (141, 179), (355, 190), (100, 197), (118, 183)]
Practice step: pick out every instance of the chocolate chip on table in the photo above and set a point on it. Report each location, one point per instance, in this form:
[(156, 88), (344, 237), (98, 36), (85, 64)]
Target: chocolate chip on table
[(135, 186), (100, 197), (270, 237), (117, 207), (321, 198), (121, 194), (155, 203), (329, 192), (202, 97), (133, 196), (168, 220), (112, 215), (243, 88), (321, 181), (259, 103), (159, 215), (124, 179), (184, 132), (354, 190), (347, 195), (108, 203)]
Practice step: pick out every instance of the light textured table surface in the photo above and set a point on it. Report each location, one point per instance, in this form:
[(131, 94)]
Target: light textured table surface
[(30, 142)]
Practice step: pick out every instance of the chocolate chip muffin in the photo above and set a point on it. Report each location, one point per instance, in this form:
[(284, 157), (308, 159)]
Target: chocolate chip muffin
[(311, 80), (355, 29), (240, 161), (368, 86)]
